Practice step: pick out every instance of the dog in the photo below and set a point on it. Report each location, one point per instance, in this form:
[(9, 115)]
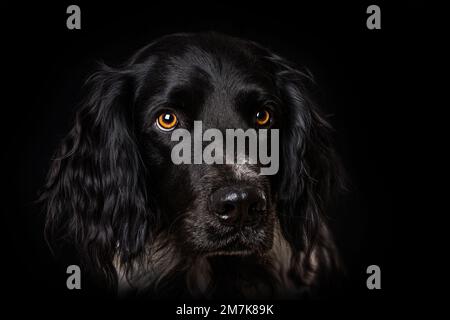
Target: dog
[(148, 227)]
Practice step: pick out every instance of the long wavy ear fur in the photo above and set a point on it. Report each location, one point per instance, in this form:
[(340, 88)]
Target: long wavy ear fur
[(95, 193), (309, 177)]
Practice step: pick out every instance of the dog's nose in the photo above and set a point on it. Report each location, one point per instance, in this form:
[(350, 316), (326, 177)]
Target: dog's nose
[(238, 205)]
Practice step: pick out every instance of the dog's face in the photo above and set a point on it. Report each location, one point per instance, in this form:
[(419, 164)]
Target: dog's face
[(217, 208), (115, 191)]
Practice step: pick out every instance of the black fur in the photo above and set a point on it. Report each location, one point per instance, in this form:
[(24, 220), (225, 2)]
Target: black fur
[(114, 194)]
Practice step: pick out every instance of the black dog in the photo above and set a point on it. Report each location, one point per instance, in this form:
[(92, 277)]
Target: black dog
[(148, 226)]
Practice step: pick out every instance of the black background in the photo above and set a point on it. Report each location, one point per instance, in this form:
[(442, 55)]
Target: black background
[(362, 74)]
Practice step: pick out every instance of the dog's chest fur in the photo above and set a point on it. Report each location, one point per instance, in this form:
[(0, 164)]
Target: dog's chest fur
[(164, 274)]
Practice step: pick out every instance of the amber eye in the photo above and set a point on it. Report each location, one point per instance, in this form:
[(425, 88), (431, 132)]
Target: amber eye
[(262, 117), (167, 121)]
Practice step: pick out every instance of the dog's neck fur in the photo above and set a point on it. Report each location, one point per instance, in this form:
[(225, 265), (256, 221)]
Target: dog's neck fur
[(164, 274)]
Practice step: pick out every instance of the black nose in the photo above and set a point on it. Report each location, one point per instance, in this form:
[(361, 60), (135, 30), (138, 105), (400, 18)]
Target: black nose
[(238, 205)]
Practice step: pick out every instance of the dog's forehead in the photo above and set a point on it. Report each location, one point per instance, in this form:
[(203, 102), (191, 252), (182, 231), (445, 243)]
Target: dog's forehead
[(223, 61), (219, 79), (211, 81), (224, 74), (224, 70)]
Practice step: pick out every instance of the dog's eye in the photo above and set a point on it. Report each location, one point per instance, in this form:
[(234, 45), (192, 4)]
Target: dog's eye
[(263, 117), (167, 121)]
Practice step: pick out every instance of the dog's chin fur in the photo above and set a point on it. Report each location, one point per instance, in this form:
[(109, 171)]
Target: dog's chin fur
[(287, 276)]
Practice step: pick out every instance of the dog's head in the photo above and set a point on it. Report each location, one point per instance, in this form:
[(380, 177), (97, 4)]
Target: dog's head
[(114, 187)]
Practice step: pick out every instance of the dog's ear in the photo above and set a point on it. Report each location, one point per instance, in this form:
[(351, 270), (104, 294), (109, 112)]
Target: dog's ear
[(310, 171), (95, 192)]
